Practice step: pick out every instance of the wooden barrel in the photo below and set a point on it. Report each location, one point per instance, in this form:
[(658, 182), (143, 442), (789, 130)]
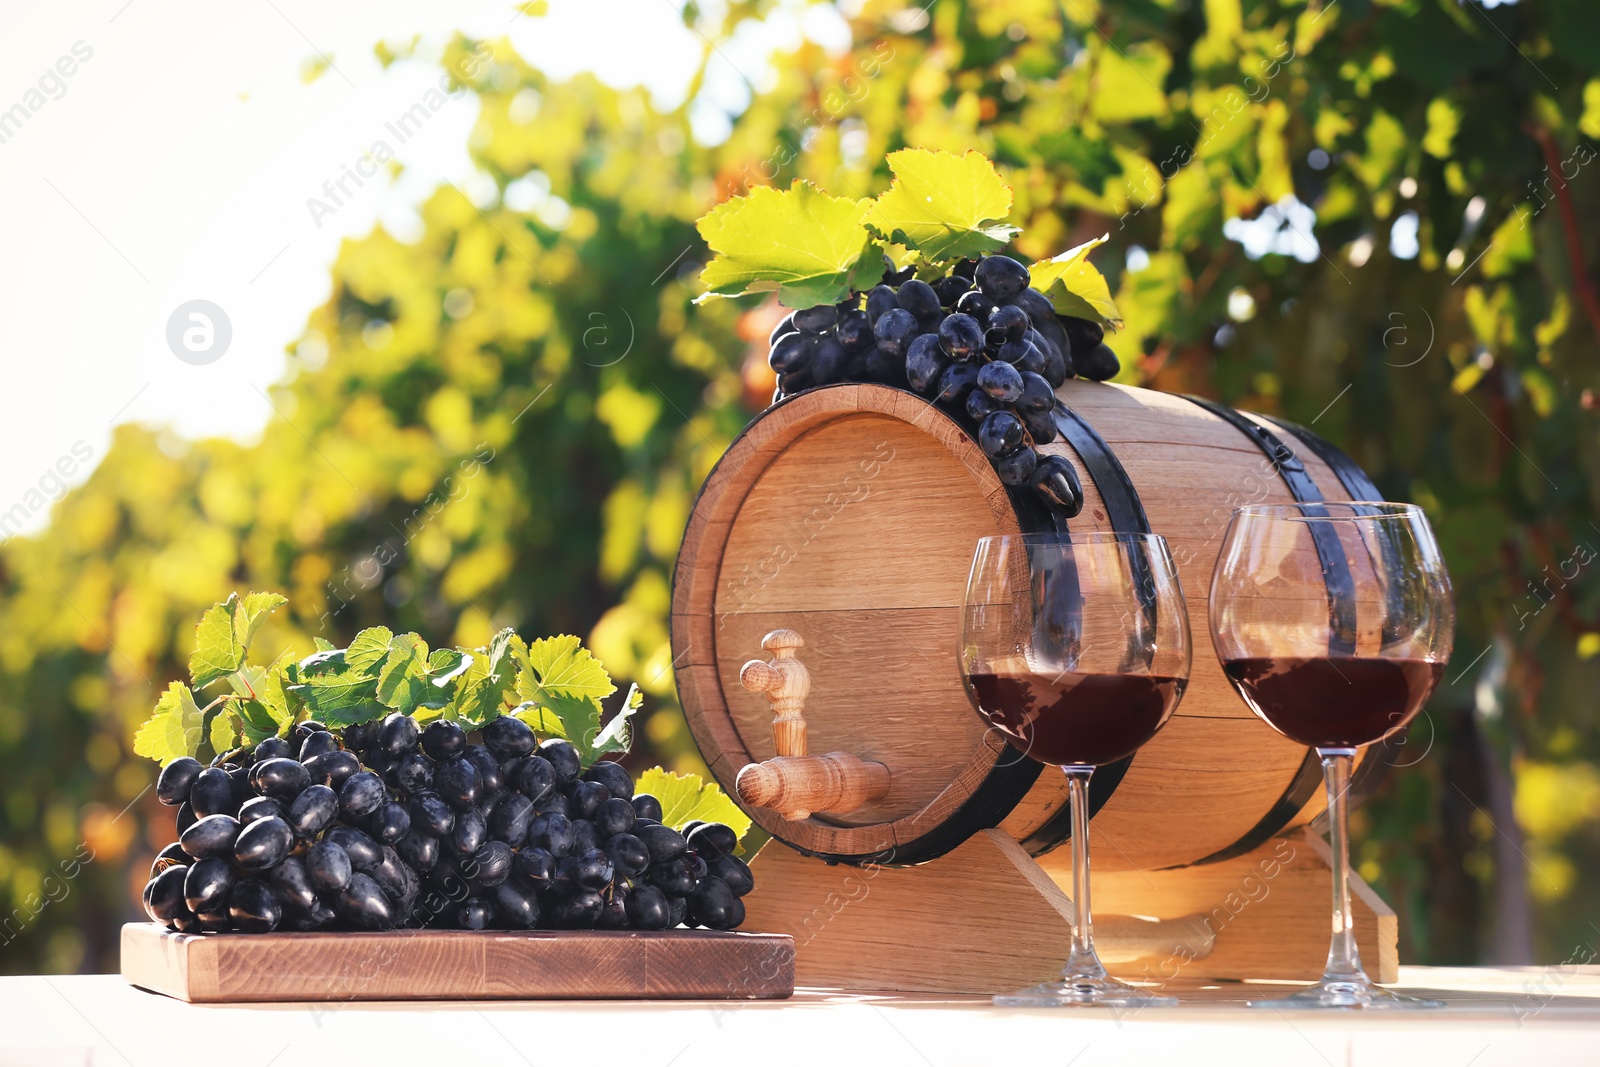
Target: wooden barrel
[(850, 513)]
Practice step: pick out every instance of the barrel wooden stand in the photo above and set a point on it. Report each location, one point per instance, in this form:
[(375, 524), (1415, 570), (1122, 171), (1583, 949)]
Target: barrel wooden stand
[(847, 515)]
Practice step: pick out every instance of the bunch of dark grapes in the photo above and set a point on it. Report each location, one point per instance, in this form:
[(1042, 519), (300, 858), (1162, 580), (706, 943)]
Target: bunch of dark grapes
[(978, 342), (395, 826)]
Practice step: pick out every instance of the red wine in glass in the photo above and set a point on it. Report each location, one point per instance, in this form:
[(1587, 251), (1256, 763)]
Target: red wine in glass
[(1345, 702), (1076, 719)]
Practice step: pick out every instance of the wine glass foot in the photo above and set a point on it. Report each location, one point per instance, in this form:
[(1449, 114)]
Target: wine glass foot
[(1357, 993), (1084, 990)]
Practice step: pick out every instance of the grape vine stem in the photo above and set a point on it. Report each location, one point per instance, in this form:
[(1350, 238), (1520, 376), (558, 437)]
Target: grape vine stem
[(1569, 224)]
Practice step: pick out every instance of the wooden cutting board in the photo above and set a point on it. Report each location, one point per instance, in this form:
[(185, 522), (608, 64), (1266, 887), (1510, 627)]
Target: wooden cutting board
[(458, 965)]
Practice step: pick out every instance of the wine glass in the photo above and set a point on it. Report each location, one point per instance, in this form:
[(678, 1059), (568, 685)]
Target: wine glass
[(1333, 621), (1075, 647)]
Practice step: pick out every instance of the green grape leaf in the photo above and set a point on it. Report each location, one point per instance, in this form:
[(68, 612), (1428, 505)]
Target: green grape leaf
[(686, 797), (1075, 287), (218, 652), (540, 720), (809, 246), (250, 612), (368, 649), (403, 680), (445, 665), (485, 683), (333, 693), (562, 666), (224, 731), (175, 728), (323, 644), (617, 736), (283, 708), (943, 205)]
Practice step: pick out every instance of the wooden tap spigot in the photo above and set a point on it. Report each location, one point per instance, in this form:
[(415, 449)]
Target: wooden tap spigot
[(793, 782)]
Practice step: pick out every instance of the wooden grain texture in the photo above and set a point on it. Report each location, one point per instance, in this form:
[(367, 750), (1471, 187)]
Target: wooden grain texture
[(458, 965), (983, 919), (849, 515)]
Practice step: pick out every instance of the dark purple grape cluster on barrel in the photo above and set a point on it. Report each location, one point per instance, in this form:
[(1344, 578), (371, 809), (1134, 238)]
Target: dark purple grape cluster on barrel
[(979, 342), (394, 825)]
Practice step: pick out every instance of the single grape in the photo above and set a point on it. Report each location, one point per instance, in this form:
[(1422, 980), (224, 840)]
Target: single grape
[(1009, 321), (712, 904), (364, 852), (614, 776), (919, 298), (1001, 381), (951, 288), (713, 839), (471, 831), (1017, 468), (333, 768), (1083, 334), (362, 794), (579, 911), (614, 916), (418, 849), (363, 904), (534, 778), (171, 856), (186, 817), (854, 332), (792, 353), (509, 736), (894, 331), (675, 877), (977, 306), (360, 737), (1036, 394), (458, 782), (925, 361), (592, 869), (177, 780), (816, 319), (328, 866), (1097, 365), (443, 738), (511, 819), (293, 885), (955, 383), (646, 806), (647, 908), (616, 816), (392, 876), (1001, 277), (316, 744), (563, 759), (207, 884), (257, 808), (961, 337), (1040, 311), (213, 835), (880, 301), (273, 748), (398, 735), (390, 822), (553, 803), (551, 832), (785, 325), (431, 815), (280, 777), (1057, 482), (263, 845), (414, 773), (677, 911), (304, 729), (254, 908), (1041, 426), (629, 856), (212, 793), (489, 778), (534, 868), (492, 863), (690, 827), (664, 842), (1000, 433), (163, 895), (515, 906), (735, 873), (312, 811)]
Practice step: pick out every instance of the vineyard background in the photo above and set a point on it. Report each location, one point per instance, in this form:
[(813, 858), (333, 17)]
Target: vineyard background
[(1377, 217)]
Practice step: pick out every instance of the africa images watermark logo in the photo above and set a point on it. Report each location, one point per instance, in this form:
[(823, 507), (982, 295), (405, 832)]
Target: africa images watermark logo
[(199, 332)]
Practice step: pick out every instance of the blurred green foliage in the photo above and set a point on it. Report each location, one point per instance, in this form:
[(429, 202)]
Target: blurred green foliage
[(503, 422)]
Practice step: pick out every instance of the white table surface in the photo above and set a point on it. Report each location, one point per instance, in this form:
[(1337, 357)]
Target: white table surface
[(1534, 1016)]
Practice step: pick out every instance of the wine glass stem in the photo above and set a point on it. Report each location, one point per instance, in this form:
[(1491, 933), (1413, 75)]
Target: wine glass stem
[(1344, 961), (1083, 960)]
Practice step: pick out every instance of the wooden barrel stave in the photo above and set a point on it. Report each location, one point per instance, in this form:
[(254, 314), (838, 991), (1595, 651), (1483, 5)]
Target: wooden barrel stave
[(1205, 780)]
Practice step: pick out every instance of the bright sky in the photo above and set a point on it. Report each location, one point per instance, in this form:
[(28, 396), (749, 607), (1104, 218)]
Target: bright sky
[(173, 163)]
